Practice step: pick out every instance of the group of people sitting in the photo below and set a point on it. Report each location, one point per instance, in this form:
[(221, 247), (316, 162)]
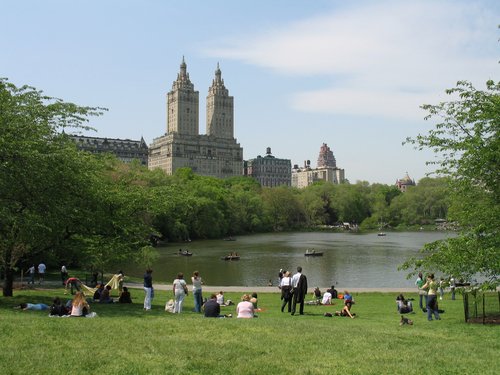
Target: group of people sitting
[(245, 309), (325, 298)]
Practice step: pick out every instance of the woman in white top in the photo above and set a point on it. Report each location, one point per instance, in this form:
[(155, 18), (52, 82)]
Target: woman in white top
[(245, 308), (327, 298), (180, 290), (79, 306), (286, 291), (198, 301)]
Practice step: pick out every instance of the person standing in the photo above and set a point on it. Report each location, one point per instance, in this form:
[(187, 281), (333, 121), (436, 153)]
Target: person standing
[(299, 283), (422, 293), (64, 274), (432, 305), (41, 272), (119, 278), (452, 287), (148, 289), (179, 288), (198, 301), (31, 272)]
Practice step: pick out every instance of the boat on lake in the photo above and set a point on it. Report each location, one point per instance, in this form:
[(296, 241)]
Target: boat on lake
[(381, 234), (231, 256), (313, 253), (185, 253)]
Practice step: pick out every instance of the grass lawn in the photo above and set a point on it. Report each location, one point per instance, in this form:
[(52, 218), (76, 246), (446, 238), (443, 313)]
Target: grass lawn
[(124, 339)]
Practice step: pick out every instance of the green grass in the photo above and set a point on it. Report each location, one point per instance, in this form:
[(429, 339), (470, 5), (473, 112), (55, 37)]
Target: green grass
[(124, 339)]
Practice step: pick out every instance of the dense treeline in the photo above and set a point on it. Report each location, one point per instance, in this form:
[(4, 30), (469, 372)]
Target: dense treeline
[(188, 206)]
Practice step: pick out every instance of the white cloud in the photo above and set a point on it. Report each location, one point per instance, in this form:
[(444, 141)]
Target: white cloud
[(391, 56)]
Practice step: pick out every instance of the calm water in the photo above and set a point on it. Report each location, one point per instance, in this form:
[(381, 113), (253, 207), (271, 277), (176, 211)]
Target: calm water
[(349, 260)]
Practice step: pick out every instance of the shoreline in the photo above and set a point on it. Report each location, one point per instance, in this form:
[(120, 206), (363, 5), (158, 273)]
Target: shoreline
[(230, 289), (274, 289)]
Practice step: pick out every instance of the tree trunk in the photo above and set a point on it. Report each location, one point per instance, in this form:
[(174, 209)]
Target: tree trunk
[(8, 282)]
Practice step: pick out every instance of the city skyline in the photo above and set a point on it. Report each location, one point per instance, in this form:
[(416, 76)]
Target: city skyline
[(302, 74)]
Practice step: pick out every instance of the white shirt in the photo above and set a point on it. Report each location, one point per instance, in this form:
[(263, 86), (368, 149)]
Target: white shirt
[(63, 269), (295, 279), (196, 283), (285, 281), (220, 299), (41, 268), (327, 298)]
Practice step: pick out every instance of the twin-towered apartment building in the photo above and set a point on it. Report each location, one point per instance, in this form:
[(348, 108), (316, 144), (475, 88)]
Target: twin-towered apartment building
[(216, 153)]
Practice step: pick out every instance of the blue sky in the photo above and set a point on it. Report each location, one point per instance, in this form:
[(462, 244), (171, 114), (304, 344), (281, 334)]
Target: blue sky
[(351, 74)]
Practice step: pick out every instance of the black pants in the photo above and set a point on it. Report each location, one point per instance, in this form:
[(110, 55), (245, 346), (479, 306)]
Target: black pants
[(296, 297)]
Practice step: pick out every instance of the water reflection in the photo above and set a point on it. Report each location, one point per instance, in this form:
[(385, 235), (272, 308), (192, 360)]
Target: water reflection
[(351, 260)]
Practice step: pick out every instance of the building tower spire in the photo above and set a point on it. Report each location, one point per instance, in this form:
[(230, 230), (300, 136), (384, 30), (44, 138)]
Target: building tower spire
[(182, 105), (220, 109)]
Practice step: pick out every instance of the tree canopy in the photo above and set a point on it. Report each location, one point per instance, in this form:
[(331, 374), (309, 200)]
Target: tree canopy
[(467, 138), (57, 202)]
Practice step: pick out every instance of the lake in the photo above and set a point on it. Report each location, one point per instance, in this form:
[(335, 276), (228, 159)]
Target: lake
[(349, 259)]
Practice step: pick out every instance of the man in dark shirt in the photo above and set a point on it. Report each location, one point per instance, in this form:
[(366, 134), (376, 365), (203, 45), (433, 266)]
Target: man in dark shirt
[(211, 308)]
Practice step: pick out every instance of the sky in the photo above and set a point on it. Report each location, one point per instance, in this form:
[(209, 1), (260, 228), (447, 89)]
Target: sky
[(351, 74)]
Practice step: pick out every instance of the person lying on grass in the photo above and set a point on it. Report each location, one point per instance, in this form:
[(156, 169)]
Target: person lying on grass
[(32, 306)]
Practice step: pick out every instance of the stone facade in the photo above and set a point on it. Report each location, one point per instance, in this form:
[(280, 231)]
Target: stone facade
[(124, 149), (216, 153), (403, 183), (269, 170), (326, 170)]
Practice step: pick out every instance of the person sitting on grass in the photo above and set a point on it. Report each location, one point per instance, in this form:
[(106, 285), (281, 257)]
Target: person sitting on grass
[(79, 306), (346, 310), (32, 306), (98, 292), (254, 301), (327, 298), (105, 295), (317, 294), (57, 308), (125, 296), (245, 309), (211, 309)]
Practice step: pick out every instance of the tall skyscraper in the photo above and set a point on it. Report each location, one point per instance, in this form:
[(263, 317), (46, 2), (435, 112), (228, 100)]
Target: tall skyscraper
[(216, 153)]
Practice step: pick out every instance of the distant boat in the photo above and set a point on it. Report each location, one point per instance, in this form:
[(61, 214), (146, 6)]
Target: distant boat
[(313, 253), (381, 234), (231, 257), (185, 253)]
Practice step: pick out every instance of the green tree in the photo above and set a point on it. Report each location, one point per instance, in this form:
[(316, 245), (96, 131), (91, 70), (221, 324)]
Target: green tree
[(467, 137), (54, 199)]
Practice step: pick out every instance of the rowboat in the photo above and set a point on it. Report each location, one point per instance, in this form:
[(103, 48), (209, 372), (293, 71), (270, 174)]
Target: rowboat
[(231, 257), (313, 253)]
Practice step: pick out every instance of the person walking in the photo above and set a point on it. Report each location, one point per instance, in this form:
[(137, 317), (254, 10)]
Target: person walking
[(286, 291), (41, 272), (432, 305), (148, 289), (299, 283), (64, 274), (198, 300), (31, 272), (179, 288)]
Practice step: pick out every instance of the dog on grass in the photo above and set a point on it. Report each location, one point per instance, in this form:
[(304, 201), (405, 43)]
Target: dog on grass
[(405, 320)]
